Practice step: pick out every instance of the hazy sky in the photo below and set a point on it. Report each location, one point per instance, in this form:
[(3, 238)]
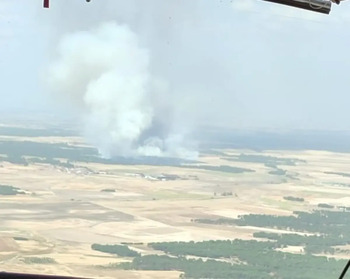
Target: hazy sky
[(242, 63)]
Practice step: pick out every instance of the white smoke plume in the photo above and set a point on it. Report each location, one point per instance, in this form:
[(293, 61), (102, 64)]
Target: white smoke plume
[(105, 72), (146, 75)]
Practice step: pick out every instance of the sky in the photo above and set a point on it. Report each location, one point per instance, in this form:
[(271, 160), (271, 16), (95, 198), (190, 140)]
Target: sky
[(245, 64)]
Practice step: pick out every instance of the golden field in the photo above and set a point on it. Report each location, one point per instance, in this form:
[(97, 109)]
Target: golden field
[(64, 211)]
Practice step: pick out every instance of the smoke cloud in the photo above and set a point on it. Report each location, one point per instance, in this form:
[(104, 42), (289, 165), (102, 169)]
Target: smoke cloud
[(145, 74), (106, 74)]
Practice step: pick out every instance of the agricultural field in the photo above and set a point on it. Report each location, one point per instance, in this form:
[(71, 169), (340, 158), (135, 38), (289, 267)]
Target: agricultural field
[(232, 213)]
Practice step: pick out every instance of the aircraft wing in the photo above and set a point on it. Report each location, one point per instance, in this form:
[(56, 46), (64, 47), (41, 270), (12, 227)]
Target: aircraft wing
[(10, 275), (320, 6)]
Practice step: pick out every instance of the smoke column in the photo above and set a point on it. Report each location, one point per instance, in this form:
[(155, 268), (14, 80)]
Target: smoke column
[(144, 75), (106, 73)]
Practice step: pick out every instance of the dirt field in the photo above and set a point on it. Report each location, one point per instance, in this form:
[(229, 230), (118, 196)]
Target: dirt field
[(65, 211)]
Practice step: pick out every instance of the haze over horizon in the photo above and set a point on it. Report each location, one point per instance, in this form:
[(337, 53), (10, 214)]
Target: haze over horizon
[(246, 65)]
